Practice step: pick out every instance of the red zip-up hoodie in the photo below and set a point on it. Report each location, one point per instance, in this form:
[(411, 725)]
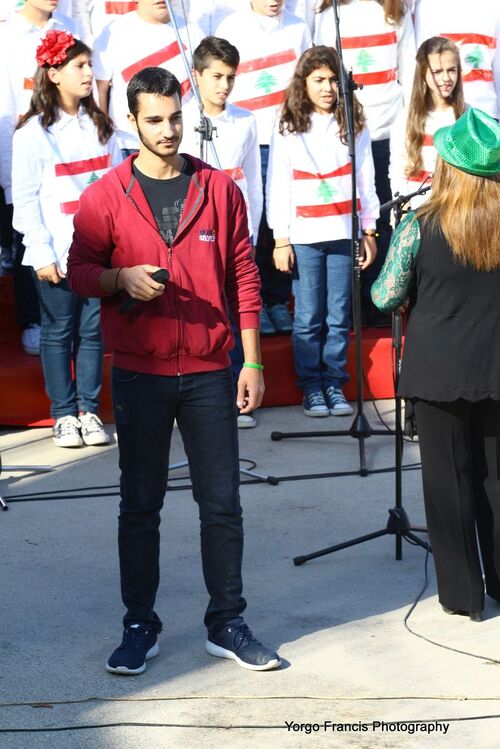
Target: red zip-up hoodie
[(186, 329)]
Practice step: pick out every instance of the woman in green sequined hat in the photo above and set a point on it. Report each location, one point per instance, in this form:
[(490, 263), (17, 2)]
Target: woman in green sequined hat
[(445, 260)]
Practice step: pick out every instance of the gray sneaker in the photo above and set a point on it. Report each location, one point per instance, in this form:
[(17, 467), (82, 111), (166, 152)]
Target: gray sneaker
[(66, 432), (336, 402), (315, 404), (93, 430)]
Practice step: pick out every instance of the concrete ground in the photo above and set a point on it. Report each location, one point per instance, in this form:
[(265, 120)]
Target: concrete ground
[(338, 621)]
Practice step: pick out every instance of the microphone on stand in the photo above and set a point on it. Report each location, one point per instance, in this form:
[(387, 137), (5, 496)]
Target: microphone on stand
[(160, 276)]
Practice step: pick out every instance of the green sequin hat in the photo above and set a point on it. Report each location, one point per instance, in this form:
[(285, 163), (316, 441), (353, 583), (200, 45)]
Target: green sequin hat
[(471, 144)]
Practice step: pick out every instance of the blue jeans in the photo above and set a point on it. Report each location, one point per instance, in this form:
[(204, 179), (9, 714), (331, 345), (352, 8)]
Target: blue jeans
[(70, 333), (204, 406), (322, 282)]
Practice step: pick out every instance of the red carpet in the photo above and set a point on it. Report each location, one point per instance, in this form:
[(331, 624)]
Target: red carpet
[(23, 401)]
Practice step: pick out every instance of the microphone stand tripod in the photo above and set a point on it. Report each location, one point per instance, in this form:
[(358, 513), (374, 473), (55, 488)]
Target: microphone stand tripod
[(398, 523), (360, 428)]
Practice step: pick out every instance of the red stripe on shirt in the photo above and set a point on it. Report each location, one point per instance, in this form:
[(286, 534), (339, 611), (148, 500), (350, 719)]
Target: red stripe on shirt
[(428, 140), (340, 172), (269, 61), (260, 102), (372, 79), (320, 211), (420, 177), (119, 7), (70, 207), (478, 75), (80, 167), (154, 60), (371, 40), (236, 173), (488, 41)]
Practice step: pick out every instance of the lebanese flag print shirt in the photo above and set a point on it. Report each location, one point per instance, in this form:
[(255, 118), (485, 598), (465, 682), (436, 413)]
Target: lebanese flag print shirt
[(50, 170), (129, 45), (381, 56), (269, 50), (475, 29), (308, 190)]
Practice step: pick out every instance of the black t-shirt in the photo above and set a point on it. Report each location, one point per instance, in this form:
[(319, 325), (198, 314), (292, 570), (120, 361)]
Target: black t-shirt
[(166, 198)]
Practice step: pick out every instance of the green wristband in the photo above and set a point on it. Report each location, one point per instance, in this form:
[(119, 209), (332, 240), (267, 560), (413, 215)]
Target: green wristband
[(253, 365)]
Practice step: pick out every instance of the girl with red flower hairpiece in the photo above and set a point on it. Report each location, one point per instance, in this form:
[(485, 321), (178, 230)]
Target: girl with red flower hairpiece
[(63, 143)]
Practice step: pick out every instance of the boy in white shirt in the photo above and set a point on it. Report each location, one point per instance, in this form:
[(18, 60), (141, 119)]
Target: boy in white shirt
[(270, 40), (134, 41), (235, 142), (20, 36)]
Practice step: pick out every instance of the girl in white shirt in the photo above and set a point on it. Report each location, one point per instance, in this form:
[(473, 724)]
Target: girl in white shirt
[(437, 100), (62, 144), (378, 44), (309, 211)]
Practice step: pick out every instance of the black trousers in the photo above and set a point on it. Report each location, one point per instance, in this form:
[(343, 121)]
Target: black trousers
[(460, 450)]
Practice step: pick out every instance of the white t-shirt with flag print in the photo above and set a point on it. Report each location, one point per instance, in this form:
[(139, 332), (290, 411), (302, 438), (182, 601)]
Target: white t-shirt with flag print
[(380, 54), (103, 12), (50, 170), (475, 29), (269, 49), (129, 45), (237, 147), (399, 181), (19, 40), (308, 193)]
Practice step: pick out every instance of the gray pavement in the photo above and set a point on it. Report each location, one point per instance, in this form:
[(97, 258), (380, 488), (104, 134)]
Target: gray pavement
[(338, 621)]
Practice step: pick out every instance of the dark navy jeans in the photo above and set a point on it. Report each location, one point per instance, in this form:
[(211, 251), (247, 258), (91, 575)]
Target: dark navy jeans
[(71, 336), (204, 406)]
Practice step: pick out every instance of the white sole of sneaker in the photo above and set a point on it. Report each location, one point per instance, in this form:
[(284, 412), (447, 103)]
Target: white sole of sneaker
[(342, 412), (67, 442), (219, 652), (94, 441), (124, 671), (317, 414)]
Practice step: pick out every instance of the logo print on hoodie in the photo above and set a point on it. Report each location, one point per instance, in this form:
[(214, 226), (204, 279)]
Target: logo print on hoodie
[(207, 235)]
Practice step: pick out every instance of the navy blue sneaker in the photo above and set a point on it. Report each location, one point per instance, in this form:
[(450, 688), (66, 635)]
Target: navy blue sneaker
[(138, 645), (315, 404), (237, 642)]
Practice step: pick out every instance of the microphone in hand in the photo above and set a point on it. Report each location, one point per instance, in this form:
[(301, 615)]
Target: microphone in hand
[(160, 276)]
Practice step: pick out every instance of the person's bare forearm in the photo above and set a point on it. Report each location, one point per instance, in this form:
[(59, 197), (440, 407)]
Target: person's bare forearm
[(250, 340)]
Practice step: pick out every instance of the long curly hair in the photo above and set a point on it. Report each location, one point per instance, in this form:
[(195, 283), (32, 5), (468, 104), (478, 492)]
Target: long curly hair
[(394, 10), (297, 108), (46, 101), (421, 102)]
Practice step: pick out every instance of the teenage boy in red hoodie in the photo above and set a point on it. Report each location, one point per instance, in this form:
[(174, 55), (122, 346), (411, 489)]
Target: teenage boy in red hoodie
[(161, 209)]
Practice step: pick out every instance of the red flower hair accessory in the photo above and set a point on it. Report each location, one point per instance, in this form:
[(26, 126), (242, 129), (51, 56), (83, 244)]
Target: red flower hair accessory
[(53, 49)]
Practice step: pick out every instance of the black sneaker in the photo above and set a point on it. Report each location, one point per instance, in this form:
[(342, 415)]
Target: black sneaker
[(138, 645), (237, 642)]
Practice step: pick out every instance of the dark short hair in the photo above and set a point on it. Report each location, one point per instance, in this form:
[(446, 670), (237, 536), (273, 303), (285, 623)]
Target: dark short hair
[(156, 81), (215, 48)]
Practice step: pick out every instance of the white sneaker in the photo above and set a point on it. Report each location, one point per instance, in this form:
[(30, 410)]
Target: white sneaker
[(30, 340), (92, 430), (66, 432), (246, 421)]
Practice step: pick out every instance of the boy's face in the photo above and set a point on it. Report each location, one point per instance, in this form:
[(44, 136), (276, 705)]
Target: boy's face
[(268, 8), (216, 83), (159, 124), (45, 6), (154, 11)]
